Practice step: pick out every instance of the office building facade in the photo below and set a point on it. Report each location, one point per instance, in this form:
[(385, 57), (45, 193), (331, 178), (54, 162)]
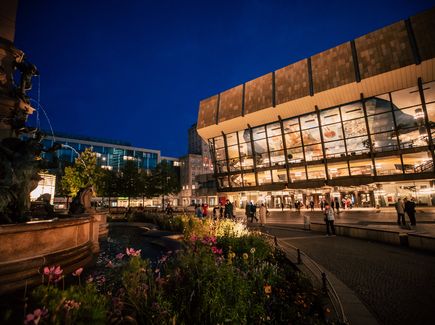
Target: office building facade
[(111, 154), (356, 121)]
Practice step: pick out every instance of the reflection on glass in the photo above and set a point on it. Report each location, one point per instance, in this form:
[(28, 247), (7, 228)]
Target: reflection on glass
[(223, 181), (431, 112), (361, 167), (384, 141), (410, 117), (406, 97), (335, 149), (275, 143), (417, 138), (293, 140), (234, 165), (247, 162), (279, 176), (357, 146), (381, 123), (316, 172), (352, 111), (429, 92), (231, 139), (233, 152), (274, 129), (245, 149), (332, 132), (420, 162), (264, 177), (295, 155), (297, 174), (260, 146), (219, 142), (311, 136), (259, 133), (277, 158), (220, 154), (338, 170), (313, 152), (309, 121), (388, 165), (244, 136), (291, 125), (221, 166), (355, 127), (249, 179), (330, 116), (378, 105), (236, 180)]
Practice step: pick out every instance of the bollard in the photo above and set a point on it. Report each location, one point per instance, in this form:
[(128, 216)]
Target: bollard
[(299, 256), (324, 287)]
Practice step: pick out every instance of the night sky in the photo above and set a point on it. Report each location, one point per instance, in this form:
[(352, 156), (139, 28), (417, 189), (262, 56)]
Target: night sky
[(136, 70)]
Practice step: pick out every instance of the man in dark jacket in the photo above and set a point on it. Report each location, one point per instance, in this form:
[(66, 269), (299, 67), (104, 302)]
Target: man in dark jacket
[(228, 209), (410, 210)]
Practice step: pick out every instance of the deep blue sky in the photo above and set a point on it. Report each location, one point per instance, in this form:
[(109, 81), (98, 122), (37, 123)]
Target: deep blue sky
[(136, 70)]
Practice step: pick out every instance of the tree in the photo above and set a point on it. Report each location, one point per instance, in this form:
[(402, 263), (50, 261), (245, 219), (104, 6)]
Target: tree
[(130, 180), (83, 173), (108, 184), (163, 181)]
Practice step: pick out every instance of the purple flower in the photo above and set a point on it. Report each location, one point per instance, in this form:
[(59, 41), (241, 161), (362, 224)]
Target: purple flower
[(119, 256)]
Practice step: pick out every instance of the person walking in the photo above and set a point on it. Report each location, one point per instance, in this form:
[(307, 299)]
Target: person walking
[(312, 205), (329, 220), (248, 211), (198, 211), (337, 205), (410, 210), (322, 204), (253, 212), (204, 210), (228, 209), (263, 214), (221, 211), (400, 208)]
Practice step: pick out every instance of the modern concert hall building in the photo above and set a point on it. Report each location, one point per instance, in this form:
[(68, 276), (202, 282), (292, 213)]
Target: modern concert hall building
[(356, 121)]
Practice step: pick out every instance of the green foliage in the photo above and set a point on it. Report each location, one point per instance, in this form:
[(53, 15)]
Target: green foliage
[(75, 305), (162, 220), (163, 181), (83, 173)]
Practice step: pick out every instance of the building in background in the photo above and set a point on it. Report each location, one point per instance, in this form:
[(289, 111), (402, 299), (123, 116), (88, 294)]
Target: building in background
[(111, 154), (355, 122), (196, 172)]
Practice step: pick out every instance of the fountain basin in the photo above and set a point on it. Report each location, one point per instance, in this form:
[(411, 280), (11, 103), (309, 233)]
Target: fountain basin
[(27, 248)]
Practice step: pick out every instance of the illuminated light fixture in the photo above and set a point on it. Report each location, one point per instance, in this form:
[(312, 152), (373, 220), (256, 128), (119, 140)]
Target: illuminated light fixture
[(418, 114)]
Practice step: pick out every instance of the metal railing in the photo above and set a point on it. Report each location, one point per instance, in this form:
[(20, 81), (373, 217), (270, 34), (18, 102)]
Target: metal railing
[(316, 273)]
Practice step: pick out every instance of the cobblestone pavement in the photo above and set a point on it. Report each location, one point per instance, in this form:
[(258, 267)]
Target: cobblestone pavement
[(397, 284)]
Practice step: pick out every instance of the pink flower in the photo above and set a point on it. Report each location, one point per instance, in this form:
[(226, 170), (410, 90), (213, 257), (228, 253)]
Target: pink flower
[(217, 251), (90, 279), (54, 273), (119, 256), (132, 252), (193, 238), (71, 304), (78, 272), (36, 316)]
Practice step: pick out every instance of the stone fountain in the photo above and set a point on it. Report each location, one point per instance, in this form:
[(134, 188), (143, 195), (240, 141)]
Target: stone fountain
[(29, 246)]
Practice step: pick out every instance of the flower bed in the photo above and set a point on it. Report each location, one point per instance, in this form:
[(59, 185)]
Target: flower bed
[(225, 274)]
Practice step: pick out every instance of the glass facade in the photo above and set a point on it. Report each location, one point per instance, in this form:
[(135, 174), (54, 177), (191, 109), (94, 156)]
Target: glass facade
[(389, 134), (109, 156)]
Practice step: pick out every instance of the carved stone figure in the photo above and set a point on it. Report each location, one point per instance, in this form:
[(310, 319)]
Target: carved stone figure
[(81, 203)]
